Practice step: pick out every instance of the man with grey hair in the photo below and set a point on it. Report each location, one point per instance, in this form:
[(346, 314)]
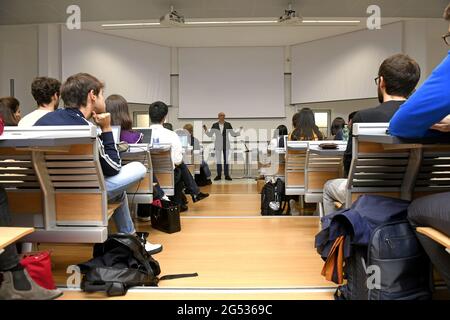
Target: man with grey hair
[(222, 130)]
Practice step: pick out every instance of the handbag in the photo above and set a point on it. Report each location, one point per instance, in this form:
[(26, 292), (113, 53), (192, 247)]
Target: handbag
[(39, 267), (165, 218)]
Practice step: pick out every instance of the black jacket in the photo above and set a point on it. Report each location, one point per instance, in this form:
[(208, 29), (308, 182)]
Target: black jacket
[(222, 140), (109, 156), (383, 113)]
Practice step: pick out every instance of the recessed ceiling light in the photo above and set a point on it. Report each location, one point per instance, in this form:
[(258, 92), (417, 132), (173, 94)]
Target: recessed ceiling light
[(138, 24), (231, 22), (331, 21)]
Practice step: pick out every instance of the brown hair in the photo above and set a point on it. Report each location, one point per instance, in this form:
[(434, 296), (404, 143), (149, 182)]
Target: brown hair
[(75, 90), (43, 89), (447, 13), (305, 126), (9, 106), (118, 107), (401, 75), (189, 127)]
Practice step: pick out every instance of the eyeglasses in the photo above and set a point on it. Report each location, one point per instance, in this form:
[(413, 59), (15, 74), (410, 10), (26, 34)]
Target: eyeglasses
[(376, 80), (446, 38)]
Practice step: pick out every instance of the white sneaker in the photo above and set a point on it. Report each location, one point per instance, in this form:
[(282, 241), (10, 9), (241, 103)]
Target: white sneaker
[(293, 206), (153, 248)]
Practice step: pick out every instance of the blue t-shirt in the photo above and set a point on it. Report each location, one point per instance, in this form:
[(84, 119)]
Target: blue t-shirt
[(426, 107)]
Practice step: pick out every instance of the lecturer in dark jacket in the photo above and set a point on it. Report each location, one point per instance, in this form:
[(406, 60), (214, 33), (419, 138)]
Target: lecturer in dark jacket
[(222, 130)]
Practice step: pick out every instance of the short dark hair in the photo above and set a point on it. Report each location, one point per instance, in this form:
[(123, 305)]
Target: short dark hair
[(117, 106), (9, 106), (401, 74), (447, 13), (352, 115), (158, 111), (75, 90), (44, 88), (336, 125), (168, 126)]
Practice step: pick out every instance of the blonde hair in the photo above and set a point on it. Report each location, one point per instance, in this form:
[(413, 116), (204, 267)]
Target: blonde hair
[(189, 127)]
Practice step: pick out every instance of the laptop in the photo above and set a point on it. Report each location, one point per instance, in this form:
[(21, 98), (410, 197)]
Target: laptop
[(147, 134), (115, 132), (184, 141)]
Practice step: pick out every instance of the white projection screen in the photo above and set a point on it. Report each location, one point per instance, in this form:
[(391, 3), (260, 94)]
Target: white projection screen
[(244, 82), (137, 70), (342, 67)]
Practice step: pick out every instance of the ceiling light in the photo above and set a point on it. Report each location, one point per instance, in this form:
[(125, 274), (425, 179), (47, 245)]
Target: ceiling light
[(137, 24), (231, 22), (331, 21)]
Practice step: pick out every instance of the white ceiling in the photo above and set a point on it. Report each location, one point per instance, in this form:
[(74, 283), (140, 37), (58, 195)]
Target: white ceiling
[(228, 36), (54, 11)]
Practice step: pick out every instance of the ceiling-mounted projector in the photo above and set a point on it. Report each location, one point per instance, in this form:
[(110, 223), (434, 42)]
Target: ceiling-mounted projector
[(290, 17), (172, 19)]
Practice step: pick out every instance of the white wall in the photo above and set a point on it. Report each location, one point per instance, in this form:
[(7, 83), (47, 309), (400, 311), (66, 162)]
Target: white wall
[(19, 61), (28, 51), (137, 70), (342, 67)]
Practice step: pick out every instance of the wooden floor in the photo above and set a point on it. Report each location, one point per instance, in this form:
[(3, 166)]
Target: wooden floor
[(237, 253)]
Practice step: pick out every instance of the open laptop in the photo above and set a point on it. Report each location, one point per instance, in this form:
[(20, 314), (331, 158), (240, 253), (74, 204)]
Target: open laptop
[(115, 132), (184, 141), (147, 132)]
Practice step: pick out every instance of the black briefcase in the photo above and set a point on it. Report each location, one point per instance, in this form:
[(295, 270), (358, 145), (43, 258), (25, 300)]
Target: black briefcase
[(165, 219)]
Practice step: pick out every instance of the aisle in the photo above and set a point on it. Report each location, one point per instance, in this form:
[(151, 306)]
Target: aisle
[(232, 248)]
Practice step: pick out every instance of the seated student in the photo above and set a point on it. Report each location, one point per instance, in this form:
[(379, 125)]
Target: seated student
[(15, 281), (278, 138), (46, 93), (158, 113), (10, 111), (429, 107), (397, 78), (83, 98), (168, 126), (337, 129), (305, 128), (346, 130), (117, 106), (195, 143)]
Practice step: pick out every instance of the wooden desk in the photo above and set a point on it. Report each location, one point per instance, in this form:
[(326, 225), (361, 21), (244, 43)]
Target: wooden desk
[(11, 235)]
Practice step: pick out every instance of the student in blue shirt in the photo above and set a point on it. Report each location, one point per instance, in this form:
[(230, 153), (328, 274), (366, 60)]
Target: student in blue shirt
[(425, 113)]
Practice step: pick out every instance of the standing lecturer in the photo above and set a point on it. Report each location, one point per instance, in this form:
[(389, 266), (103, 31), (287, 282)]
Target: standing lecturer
[(221, 130)]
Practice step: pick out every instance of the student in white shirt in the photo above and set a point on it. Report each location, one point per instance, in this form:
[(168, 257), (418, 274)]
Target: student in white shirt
[(46, 93), (160, 135)]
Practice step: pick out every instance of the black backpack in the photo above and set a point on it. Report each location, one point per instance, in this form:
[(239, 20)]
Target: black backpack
[(121, 262), (273, 193), (404, 267)]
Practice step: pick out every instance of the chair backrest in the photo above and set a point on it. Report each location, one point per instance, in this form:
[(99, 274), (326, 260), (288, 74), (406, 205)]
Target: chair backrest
[(321, 166), (295, 167), (375, 168), (163, 167), (59, 177), (434, 172), (19, 179), (142, 191)]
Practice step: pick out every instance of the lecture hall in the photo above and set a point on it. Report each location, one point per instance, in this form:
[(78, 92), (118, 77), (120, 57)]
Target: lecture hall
[(225, 150)]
